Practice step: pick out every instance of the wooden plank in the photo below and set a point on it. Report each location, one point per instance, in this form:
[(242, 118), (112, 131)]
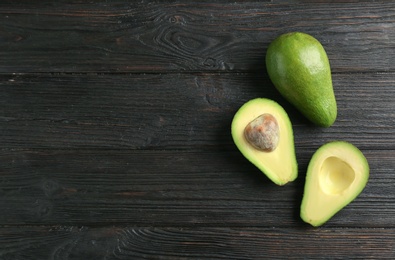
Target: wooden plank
[(176, 111), (167, 188), (65, 242), (177, 36)]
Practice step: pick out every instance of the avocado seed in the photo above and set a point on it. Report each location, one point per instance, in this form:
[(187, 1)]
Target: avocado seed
[(263, 133)]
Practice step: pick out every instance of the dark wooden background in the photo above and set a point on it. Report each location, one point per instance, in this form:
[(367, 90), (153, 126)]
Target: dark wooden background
[(115, 130)]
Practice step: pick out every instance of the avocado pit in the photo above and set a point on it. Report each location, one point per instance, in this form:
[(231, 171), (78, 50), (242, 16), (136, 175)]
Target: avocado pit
[(263, 133)]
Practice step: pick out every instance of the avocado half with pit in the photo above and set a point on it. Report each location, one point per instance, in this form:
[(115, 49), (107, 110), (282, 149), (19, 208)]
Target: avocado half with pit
[(336, 175), (263, 133)]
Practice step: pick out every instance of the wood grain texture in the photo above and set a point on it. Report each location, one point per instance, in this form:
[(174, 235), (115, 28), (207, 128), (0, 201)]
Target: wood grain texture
[(164, 188), (177, 111), (115, 130), (114, 36), (65, 242)]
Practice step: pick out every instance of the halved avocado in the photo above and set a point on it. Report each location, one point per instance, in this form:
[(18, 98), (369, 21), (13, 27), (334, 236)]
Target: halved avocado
[(262, 131), (336, 175)]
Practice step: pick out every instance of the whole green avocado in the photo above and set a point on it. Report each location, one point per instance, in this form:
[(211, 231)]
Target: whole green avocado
[(299, 68)]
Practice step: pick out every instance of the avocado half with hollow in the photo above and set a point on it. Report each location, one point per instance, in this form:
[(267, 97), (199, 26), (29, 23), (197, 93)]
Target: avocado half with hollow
[(263, 133), (336, 175)]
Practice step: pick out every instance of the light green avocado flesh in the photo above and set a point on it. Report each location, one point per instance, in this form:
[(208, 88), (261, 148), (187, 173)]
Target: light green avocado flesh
[(336, 175), (279, 165), (299, 68)]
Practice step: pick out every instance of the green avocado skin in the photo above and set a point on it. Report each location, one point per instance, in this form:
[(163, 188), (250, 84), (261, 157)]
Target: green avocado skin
[(299, 68)]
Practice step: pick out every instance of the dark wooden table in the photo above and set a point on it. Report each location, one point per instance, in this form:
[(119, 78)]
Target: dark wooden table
[(115, 130)]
